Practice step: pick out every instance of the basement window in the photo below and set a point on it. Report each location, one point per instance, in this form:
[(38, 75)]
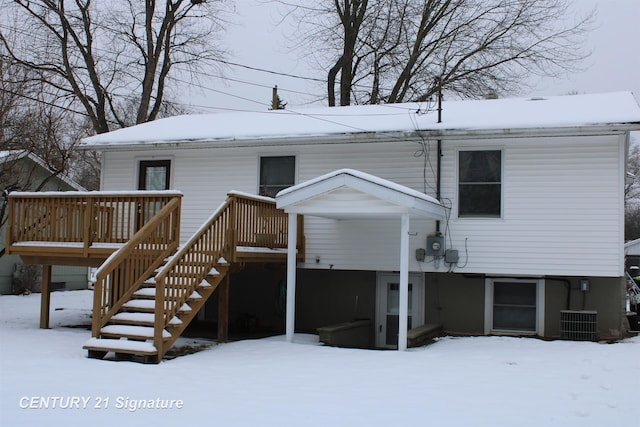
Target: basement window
[(480, 183), (514, 306)]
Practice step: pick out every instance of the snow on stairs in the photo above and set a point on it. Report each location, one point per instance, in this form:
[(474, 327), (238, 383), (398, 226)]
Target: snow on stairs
[(129, 333)]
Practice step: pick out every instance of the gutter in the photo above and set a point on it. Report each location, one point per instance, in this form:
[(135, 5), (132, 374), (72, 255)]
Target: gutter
[(369, 137)]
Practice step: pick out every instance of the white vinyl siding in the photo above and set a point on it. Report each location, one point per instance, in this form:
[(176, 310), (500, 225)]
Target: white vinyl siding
[(562, 202), (561, 210)]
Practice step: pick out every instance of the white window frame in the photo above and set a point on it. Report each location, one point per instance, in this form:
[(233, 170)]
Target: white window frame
[(502, 182), (488, 307)]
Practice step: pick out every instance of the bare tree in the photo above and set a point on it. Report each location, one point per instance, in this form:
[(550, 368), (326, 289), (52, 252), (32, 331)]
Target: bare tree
[(395, 50), (30, 124), (111, 60), (632, 187), (632, 191)]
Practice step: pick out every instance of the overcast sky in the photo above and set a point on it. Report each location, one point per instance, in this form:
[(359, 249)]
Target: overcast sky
[(613, 66)]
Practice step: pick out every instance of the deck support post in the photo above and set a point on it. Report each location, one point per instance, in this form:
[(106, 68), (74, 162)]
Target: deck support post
[(403, 309), (223, 310), (45, 298), (291, 276)]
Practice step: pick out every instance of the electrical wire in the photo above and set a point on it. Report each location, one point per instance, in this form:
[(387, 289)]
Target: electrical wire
[(191, 83)]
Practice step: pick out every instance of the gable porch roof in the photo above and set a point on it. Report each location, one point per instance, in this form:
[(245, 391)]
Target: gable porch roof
[(347, 193)]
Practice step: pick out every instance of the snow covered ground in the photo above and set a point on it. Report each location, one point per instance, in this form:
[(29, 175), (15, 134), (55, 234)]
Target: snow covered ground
[(483, 381)]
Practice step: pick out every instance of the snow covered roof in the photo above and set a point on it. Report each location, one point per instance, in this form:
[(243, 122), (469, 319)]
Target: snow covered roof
[(13, 155), (606, 112), (632, 247), (348, 193)]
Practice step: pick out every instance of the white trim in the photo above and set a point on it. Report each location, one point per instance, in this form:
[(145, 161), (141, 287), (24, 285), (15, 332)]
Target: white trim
[(486, 147), (403, 312), (291, 277), (388, 199), (417, 297), (488, 307)]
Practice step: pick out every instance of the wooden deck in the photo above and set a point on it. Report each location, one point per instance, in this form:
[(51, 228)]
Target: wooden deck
[(80, 228), (148, 286)]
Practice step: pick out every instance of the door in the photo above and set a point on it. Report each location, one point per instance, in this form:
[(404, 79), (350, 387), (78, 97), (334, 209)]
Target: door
[(387, 307), (153, 175)]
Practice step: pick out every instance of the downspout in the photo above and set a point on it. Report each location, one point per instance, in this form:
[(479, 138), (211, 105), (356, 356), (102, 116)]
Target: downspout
[(439, 161)]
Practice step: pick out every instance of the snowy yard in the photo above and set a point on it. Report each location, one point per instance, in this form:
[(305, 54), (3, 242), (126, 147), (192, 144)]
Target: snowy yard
[(484, 381)]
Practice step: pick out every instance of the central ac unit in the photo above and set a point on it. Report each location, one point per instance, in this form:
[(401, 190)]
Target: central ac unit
[(579, 325)]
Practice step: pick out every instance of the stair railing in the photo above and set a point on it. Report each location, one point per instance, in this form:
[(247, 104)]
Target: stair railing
[(127, 268), (242, 220), (191, 264)]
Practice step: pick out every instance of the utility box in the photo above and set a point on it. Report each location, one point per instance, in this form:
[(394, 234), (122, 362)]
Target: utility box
[(435, 246), (451, 256)]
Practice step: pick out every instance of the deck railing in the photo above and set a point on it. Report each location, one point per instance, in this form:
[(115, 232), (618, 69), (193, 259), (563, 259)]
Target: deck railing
[(124, 271), (79, 221), (242, 220)]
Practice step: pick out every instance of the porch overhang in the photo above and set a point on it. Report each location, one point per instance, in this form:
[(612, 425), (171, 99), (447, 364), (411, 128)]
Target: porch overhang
[(350, 194)]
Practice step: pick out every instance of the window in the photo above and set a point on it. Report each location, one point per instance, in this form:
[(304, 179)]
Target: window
[(514, 305), (479, 183), (154, 175), (276, 174)]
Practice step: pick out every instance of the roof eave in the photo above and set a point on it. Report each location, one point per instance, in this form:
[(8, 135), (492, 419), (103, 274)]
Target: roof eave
[(362, 137)]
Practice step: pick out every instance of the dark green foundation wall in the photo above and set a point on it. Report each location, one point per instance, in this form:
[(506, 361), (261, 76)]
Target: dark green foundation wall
[(456, 302), (327, 297), (606, 295), (254, 297)]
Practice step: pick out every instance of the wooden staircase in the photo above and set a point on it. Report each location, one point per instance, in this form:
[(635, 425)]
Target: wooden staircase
[(129, 331), (148, 287), (148, 292)]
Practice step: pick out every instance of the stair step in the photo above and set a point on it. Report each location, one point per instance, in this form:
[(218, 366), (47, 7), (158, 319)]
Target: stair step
[(151, 293), (133, 332), (121, 346), (147, 305), (140, 318)]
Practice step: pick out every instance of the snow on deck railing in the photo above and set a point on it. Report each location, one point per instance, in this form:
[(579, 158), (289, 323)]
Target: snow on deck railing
[(82, 217)]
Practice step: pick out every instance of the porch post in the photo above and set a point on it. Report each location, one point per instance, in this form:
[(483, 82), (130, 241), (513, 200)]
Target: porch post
[(291, 276), (403, 310), (223, 309), (45, 297)]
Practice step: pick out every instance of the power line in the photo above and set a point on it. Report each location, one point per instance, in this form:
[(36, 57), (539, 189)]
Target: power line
[(263, 70), (110, 52)]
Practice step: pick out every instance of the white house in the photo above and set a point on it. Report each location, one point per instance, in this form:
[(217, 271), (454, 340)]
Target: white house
[(500, 216)]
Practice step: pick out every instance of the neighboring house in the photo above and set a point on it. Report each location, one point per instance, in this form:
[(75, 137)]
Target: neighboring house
[(499, 217), (26, 171), (632, 253)]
